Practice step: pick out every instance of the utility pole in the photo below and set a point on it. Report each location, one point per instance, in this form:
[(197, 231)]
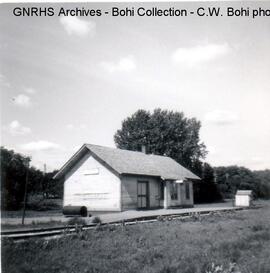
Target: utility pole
[(25, 188), (43, 180)]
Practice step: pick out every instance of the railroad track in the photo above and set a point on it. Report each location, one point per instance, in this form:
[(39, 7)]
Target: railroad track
[(61, 230)]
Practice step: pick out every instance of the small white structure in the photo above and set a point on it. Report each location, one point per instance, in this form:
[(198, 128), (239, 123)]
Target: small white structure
[(243, 198)]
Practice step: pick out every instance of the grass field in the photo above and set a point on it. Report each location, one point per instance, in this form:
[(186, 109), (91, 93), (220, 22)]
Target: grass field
[(220, 243)]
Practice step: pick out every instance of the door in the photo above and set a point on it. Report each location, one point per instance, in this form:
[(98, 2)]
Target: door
[(143, 194)]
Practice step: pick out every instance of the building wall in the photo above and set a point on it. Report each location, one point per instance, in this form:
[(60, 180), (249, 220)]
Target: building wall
[(242, 200), (184, 200), (92, 185), (174, 202), (181, 195), (129, 191)]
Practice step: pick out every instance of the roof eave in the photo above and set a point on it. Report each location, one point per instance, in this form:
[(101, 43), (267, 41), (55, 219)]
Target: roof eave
[(72, 161), (69, 163)]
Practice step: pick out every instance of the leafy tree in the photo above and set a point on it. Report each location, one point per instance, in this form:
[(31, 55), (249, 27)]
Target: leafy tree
[(163, 132), (35, 180), (14, 167), (262, 179), (207, 190), (13, 177), (233, 178), (52, 187)]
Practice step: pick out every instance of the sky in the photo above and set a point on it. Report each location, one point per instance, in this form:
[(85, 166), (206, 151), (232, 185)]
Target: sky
[(66, 81)]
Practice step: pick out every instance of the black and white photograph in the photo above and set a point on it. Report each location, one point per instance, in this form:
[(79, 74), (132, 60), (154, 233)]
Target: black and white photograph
[(135, 137)]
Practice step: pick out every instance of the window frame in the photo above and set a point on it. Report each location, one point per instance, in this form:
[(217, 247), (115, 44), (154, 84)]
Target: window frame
[(174, 191)]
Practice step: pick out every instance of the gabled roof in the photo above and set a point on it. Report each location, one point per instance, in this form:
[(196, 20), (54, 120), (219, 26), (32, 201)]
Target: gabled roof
[(131, 162)]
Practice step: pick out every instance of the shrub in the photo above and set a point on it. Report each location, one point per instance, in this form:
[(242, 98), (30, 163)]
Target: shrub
[(43, 205), (96, 220)]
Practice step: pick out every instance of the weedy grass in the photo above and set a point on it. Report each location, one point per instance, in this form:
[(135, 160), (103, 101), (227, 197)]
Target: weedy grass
[(219, 243), (33, 224)]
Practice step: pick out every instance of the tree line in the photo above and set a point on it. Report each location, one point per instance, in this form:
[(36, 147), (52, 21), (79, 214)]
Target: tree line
[(15, 171), (162, 132)]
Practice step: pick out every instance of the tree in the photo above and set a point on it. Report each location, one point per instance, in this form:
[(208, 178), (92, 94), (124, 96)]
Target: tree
[(262, 179), (233, 178), (52, 187), (207, 190), (163, 132), (13, 177)]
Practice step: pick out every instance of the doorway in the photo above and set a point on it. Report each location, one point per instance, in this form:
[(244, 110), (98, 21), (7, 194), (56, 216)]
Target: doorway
[(143, 194)]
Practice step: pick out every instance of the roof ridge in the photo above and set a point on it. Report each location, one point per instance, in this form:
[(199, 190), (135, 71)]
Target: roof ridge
[(131, 162), (125, 150)]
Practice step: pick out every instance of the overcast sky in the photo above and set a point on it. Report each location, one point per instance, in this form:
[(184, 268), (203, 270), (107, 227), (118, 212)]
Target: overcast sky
[(68, 81)]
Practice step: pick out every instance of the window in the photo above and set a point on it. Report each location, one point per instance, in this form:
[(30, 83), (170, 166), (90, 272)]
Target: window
[(187, 191), (174, 192)]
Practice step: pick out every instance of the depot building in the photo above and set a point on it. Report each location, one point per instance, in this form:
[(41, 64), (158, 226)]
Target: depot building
[(108, 179)]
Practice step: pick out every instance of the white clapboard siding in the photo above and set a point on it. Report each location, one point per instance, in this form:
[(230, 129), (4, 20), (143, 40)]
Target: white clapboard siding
[(92, 185)]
